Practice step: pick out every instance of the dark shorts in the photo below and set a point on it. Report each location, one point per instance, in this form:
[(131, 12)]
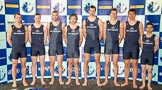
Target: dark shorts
[(19, 53), (59, 50), (37, 50), (147, 59), (131, 52), (73, 54), (113, 50), (89, 46)]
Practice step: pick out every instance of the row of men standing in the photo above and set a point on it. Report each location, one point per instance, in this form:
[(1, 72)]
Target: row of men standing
[(93, 30)]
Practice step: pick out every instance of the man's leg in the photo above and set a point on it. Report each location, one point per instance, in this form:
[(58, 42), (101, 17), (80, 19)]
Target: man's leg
[(149, 77), (135, 72), (70, 64), (76, 69), (107, 63), (14, 72), (143, 74), (115, 63), (59, 59), (98, 67), (23, 67), (52, 63), (85, 68), (126, 72), (34, 62), (41, 59)]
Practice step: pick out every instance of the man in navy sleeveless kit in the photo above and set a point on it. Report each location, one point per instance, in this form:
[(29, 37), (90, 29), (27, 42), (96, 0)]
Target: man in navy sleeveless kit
[(17, 36), (149, 45), (133, 30), (73, 39), (113, 35), (55, 35), (37, 39), (92, 27)]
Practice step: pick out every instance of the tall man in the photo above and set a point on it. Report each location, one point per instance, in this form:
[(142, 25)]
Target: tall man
[(37, 38), (113, 35), (92, 27), (17, 36), (55, 35), (133, 30)]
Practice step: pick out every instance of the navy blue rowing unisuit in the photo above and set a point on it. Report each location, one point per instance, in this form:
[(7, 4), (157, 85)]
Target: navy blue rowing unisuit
[(37, 38), (55, 42), (131, 41), (147, 56), (92, 36), (18, 42), (73, 38), (112, 38)]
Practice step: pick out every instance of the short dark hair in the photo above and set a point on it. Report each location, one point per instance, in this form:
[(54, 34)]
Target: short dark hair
[(132, 10), (149, 23), (17, 14), (55, 12), (37, 14), (74, 16), (92, 6), (113, 9)]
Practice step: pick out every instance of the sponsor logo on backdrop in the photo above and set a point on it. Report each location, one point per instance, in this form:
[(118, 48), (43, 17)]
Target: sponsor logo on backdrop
[(154, 23), (160, 74), (86, 8), (2, 58), (28, 70), (2, 74), (57, 69), (121, 7), (91, 70), (120, 69), (1, 6), (161, 59), (153, 6), (25, 23), (27, 7), (59, 7)]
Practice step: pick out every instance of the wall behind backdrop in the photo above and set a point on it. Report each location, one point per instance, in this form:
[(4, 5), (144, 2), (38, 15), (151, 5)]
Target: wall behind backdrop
[(147, 11)]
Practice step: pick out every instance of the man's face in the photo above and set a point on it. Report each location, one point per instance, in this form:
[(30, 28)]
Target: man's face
[(149, 28), (18, 18), (73, 20), (131, 15), (37, 18), (55, 16), (92, 11), (113, 14)]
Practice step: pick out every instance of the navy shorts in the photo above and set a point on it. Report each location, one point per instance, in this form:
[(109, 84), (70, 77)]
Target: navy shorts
[(19, 52), (37, 50)]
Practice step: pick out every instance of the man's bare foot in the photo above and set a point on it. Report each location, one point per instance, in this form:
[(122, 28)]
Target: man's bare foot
[(85, 83), (43, 83), (116, 84), (51, 82), (14, 85), (149, 87), (77, 82), (142, 87), (99, 84), (124, 84), (68, 82), (61, 82), (135, 86), (33, 83), (105, 83), (25, 83)]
